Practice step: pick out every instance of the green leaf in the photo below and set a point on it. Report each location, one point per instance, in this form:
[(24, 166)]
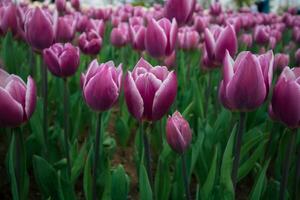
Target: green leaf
[(144, 185), (78, 163), (120, 184), (11, 169), (162, 180), (122, 129), (87, 176), (256, 193), (209, 184)]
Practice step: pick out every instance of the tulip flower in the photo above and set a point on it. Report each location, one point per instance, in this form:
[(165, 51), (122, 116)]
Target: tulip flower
[(75, 4), (281, 61), (215, 9), (18, 100), (119, 36), (149, 91), (65, 29), (216, 43), (297, 56), (261, 34), (101, 85), (188, 39), (181, 10), (82, 23), (39, 30), (237, 91), (62, 59), (246, 39), (137, 37), (97, 25), (90, 42), (60, 5), (8, 18), (200, 23), (133, 21), (160, 38)]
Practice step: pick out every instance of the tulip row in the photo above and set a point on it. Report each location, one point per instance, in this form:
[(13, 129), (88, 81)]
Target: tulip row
[(113, 135)]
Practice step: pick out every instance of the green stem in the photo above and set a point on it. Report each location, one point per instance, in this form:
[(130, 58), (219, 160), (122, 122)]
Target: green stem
[(96, 154), (19, 155), (208, 93), (45, 103), (237, 151), (185, 178), (66, 126), (286, 165), (147, 152), (296, 191)]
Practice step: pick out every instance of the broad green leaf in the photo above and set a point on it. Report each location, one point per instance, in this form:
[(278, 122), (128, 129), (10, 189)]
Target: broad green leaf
[(87, 176), (162, 180), (78, 163), (120, 184), (144, 185), (11, 169)]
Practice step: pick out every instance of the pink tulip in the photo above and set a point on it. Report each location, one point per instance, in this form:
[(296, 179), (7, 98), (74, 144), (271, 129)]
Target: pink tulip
[(181, 10), (120, 35), (297, 56), (281, 61), (60, 5), (75, 4), (246, 39), (8, 18), (215, 9), (97, 25), (90, 42), (188, 39), (65, 28), (137, 37)]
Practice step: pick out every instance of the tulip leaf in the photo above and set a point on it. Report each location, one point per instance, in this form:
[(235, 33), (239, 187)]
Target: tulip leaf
[(144, 185), (87, 176), (78, 164), (120, 184), (123, 132), (11, 169), (162, 180)]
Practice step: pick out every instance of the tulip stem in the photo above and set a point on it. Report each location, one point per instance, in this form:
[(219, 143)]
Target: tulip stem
[(286, 165), (45, 103), (185, 177), (208, 93), (297, 174), (237, 150), (19, 155), (66, 125), (147, 152), (96, 154)]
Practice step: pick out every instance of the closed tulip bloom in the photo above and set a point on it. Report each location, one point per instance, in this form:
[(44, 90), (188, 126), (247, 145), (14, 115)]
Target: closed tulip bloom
[(75, 4), (272, 42), (297, 56), (246, 81), (101, 85), (188, 39), (215, 9), (161, 37), (285, 100), (149, 91), (137, 37), (119, 36), (200, 23), (65, 28), (181, 10), (217, 42), (62, 60), (8, 18), (60, 5), (90, 42), (133, 21), (179, 134), (97, 25), (246, 39), (261, 34), (281, 61), (82, 23), (17, 99), (39, 30)]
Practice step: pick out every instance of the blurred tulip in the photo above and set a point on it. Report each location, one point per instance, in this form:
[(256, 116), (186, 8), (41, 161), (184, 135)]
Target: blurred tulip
[(65, 28), (137, 37), (39, 30), (149, 91), (297, 56), (82, 23), (160, 38), (246, 81), (281, 61), (8, 18), (200, 23), (90, 42), (181, 10), (101, 85), (97, 25), (119, 36), (60, 5), (215, 9), (75, 4), (136, 21), (246, 39), (285, 100), (170, 60), (261, 34), (188, 39), (178, 132), (62, 59), (272, 42), (18, 99)]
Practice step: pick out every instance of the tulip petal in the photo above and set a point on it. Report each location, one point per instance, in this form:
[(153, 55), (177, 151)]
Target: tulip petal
[(266, 62), (30, 98), (3, 76), (210, 43), (51, 60), (17, 90), (226, 41), (228, 68)]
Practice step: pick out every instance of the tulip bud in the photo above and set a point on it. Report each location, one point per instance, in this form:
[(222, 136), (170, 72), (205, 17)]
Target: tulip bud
[(179, 134), (39, 30), (188, 39), (97, 25), (18, 99), (215, 9), (75, 4), (82, 23), (297, 56), (137, 37), (285, 100), (200, 23), (170, 60), (60, 5), (181, 10), (90, 42), (246, 39), (65, 29), (160, 38), (246, 81), (101, 85), (149, 91), (281, 61), (8, 18), (62, 59), (261, 34), (120, 35)]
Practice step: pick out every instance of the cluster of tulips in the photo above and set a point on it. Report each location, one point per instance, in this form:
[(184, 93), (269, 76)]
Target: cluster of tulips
[(171, 58)]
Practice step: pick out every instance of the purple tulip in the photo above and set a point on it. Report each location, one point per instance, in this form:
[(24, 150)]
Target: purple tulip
[(97, 25), (133, 21), (8, 18), (281, 60), (90, 42), (285, 100), (101, 85), (188, 39), (149, 91), (216, 44), (39, 29), (137, 37), (246, 39), (60, 5), (246, 81), (297, 56), (179, 134), (75, 4), (62, 59), (200, 23), (82, 23), (65, 28), (261, 34), (215, 9), (119, 36), (181, 10), (160, 38), (18, 99)]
